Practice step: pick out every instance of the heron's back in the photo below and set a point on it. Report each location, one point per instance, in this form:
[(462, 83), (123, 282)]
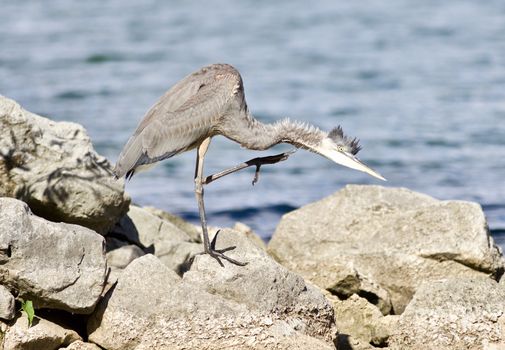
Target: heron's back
[(183, 117)]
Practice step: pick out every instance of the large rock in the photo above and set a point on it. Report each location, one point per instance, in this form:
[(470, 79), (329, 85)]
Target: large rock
[(54, 168), (55, 265), (456, 313), (395, 238), (259, 306), (42, 334)]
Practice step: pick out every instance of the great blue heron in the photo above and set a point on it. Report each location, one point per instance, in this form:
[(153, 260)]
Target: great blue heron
[(211, 102)]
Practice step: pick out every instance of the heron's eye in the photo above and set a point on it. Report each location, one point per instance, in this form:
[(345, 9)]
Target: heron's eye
[(340, 148)]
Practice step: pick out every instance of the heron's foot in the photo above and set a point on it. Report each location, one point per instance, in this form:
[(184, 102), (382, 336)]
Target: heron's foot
[(218, 254), (258, 162)]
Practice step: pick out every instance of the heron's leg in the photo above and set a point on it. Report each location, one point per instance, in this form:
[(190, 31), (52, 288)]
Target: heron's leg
[(209, 247), (258, 162)]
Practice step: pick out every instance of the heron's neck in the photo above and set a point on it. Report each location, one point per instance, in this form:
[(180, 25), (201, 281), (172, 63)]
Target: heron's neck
[(253, 134)]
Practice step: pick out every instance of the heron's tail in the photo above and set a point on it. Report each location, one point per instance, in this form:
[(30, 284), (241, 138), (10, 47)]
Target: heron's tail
[(129, 158)]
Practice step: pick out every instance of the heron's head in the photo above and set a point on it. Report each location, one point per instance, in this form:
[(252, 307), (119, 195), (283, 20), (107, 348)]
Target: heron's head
[(342, 150)]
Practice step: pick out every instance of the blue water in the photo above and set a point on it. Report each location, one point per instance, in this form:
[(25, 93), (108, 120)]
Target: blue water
[(421, 83)]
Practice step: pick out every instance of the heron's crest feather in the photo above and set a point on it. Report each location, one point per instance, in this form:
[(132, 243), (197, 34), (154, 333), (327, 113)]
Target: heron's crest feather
[(338, 136)]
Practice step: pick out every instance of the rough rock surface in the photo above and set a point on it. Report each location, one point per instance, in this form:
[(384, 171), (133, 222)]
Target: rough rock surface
[(171, 244), (80, 345), (53, 167), (193, 231), (6, 304), (396, 238), (455, 313), (41, 335), (259, 306), (121, 257), (118, 259), (253, 237), (357, 318), (344, 281), (55, 265), (348, 342)]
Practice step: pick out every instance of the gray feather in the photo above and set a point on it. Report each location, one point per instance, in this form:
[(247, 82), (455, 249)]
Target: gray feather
[(338, 136), (182, 118)]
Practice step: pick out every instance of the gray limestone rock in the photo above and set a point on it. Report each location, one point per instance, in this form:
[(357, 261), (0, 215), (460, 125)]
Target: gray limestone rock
[(118, 259), (56, 265), (53, 167), (80, 345), (343, 280), (239, 226), (454, 313), (42, 334), (192, 231), (259, 306), (6, 304), (393, 237), (355, 317), (157, 235), (121, 257)]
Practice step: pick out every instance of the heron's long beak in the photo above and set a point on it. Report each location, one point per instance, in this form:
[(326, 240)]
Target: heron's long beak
[(350, 161)]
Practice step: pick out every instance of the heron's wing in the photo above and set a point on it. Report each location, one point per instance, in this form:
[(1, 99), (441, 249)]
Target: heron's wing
[(182, 118)]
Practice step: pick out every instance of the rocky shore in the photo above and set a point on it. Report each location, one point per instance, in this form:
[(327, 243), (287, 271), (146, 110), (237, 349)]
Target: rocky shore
[(367, 267)]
